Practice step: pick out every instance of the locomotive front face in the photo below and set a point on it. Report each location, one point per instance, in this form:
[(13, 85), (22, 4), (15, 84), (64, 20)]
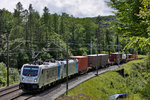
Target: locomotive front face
[(29, 76)]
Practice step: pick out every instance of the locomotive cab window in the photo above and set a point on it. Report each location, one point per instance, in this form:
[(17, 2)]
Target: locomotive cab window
[(30, 71)]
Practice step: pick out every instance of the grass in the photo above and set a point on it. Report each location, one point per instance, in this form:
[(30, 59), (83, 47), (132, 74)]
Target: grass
[(109, 83), (140, 56)]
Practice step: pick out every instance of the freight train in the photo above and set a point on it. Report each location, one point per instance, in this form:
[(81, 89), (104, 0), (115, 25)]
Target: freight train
[(36, 77)]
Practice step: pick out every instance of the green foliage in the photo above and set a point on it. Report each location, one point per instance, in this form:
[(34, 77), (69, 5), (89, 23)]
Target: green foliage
[(6, 22), (14, 75), (3, 74), (43, 37), (145, 92), (133, 18), (34, 37), (133, 21), (148, 61), (45, 56)]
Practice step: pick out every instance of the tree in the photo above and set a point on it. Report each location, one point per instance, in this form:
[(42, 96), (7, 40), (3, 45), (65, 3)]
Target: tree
[(129, 23), (108, 38), (46, 20), (55, 22), (18, 12), (39, 33), (30, 21), (99, 34), (17, 30), (72, 28), (62, 26)]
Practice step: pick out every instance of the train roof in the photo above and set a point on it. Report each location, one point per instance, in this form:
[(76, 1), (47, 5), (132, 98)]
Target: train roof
[(50, 65), (98, 55), (46, 65), (75, 57), (43, 66), (102, 54), (116, 53), (129, 54), (65, 62)]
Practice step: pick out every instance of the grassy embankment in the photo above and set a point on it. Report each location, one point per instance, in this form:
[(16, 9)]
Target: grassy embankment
[(13, 78), (132, 82)]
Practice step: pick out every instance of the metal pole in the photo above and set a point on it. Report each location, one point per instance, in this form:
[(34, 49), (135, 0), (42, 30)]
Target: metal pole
[(109, 50), (67, 67), (91, 47), (118, 55), (97, 61), (118, 51), (7, 59), (97, 66)]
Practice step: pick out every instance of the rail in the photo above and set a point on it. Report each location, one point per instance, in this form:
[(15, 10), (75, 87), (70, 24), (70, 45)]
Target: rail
[(8, 90)]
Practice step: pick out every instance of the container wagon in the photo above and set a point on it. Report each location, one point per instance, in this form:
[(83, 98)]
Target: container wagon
[(93, 61), (131, 57), (134, 56), (124, 58), (103, 59), (82, 63), (113, 58), (99, 60)]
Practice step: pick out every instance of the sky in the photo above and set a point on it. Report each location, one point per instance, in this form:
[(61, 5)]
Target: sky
[(77, 8)]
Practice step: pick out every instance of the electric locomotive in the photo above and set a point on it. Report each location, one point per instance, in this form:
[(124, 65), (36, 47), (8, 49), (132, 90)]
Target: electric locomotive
[(37, 77)]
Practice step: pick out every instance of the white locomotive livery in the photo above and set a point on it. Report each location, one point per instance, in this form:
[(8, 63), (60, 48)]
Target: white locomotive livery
[(36, 77)]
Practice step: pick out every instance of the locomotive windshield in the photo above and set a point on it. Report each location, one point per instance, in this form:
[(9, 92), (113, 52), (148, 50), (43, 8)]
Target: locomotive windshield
[(30, 70)]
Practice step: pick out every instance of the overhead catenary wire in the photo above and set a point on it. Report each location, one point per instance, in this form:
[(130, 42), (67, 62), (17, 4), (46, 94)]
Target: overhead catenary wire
[(56, 43)]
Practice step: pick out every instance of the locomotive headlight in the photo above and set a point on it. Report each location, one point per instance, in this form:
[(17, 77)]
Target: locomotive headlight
[(35, 80), (22, 78)]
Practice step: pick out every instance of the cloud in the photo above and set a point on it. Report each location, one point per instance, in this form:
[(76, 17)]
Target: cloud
[(77, 8)]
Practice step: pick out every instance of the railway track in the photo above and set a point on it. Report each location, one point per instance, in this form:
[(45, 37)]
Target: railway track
[(14, 93), (9, 90), (22, 96)]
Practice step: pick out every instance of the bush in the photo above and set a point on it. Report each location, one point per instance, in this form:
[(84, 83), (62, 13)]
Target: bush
[(3, 75), (14, 76), (146, 91), (148, 62)]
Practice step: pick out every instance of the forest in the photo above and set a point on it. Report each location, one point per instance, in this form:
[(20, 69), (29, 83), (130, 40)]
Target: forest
[(32, 36)]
